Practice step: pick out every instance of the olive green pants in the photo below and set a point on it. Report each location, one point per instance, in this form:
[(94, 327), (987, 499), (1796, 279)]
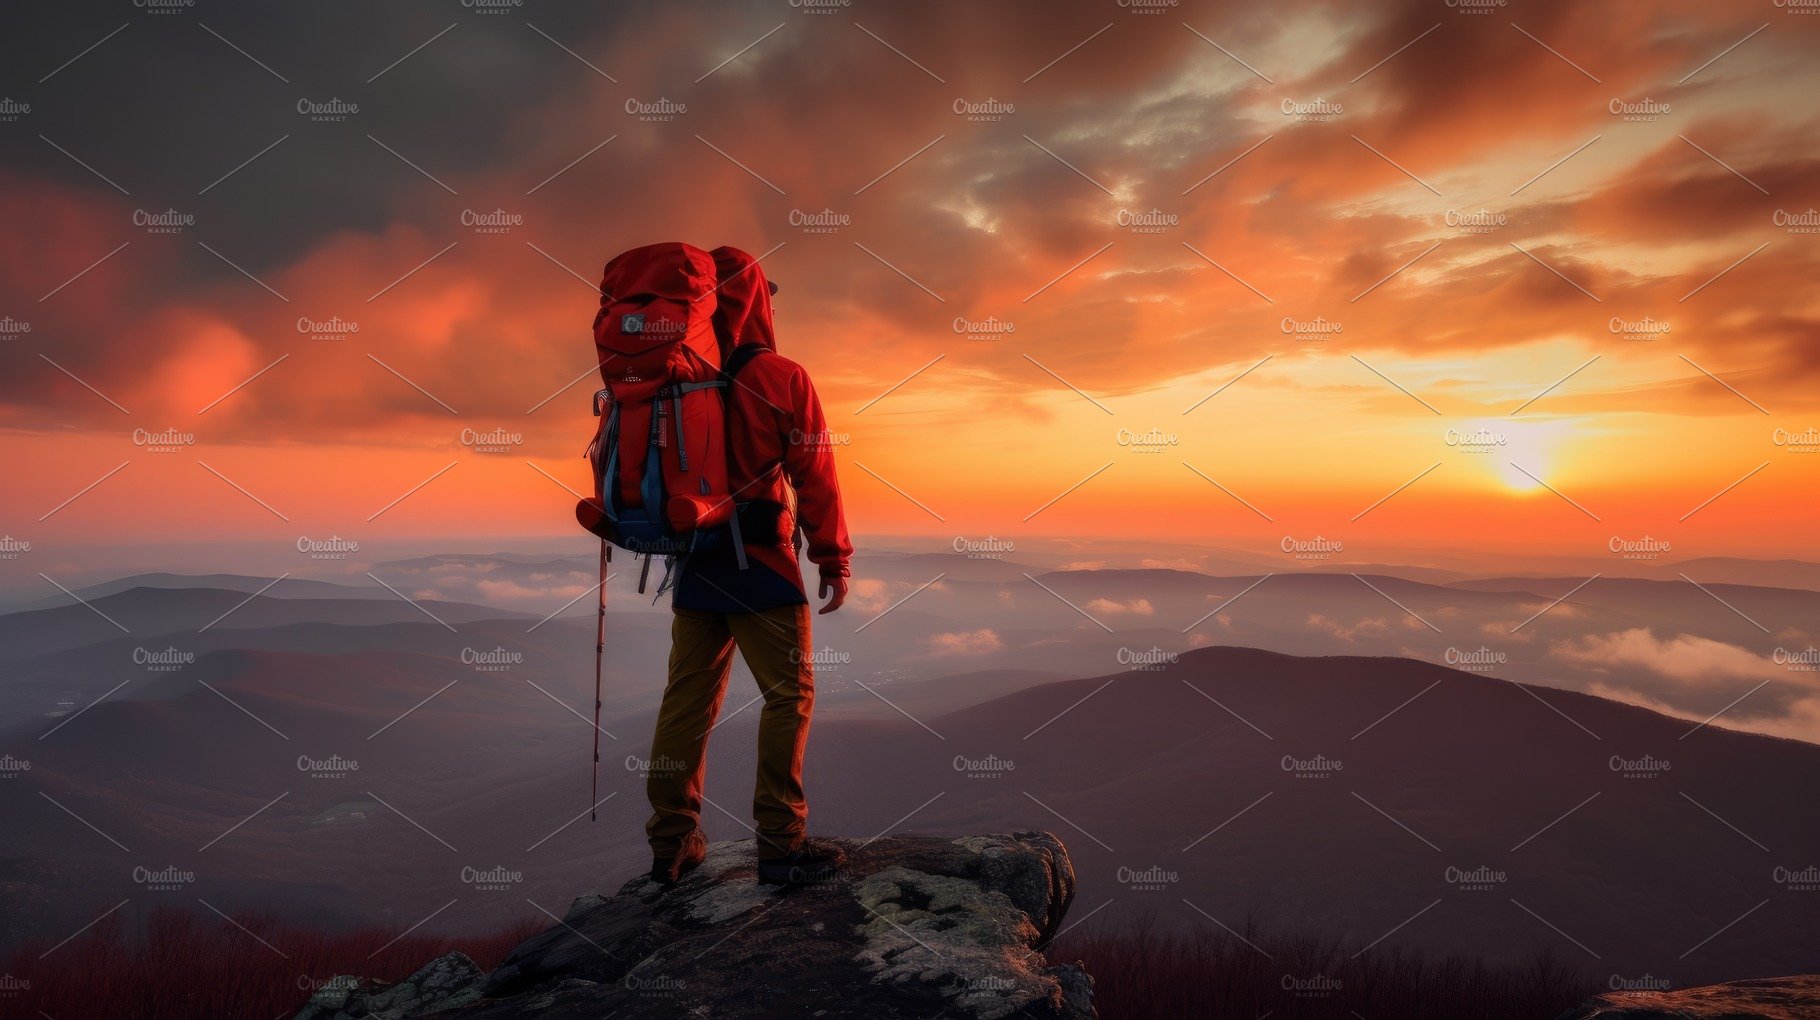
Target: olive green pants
[(775, 645)]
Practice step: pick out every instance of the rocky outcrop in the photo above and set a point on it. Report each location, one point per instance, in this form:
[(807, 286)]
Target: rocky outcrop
[(444, 983), (913, 926), (1787, 998)]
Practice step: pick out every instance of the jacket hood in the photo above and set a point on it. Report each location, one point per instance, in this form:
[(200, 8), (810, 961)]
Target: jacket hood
[(743, 314)]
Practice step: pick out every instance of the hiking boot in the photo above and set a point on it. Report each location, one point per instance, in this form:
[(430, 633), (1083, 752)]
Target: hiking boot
[(667, 871), (810, 864)]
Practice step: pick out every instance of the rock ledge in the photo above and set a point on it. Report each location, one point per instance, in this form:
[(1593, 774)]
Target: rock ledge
[(914, 926)]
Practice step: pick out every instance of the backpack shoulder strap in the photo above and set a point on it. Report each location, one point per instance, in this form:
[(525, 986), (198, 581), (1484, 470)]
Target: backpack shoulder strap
[(741, 357)]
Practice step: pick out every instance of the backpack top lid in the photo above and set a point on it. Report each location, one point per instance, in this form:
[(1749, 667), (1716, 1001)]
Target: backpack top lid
[(655, 296)]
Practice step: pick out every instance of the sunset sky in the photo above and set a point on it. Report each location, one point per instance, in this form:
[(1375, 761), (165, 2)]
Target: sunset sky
[(1139, 204)]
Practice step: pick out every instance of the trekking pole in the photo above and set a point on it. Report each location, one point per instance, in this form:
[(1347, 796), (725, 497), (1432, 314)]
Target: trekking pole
[(600, 651)]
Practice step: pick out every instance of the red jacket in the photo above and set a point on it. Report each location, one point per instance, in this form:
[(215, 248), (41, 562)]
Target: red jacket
[(778, 445)]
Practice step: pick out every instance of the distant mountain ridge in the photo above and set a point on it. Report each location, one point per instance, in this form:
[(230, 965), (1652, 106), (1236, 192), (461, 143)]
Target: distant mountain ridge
[(1397, 768)]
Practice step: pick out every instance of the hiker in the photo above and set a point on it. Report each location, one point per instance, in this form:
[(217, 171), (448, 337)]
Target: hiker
[(781, 476)]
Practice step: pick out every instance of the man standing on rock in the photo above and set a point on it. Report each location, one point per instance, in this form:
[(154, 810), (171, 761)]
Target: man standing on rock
[(781, 471)]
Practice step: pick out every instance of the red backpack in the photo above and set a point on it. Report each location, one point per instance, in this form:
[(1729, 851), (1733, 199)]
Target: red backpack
[(659, 454)]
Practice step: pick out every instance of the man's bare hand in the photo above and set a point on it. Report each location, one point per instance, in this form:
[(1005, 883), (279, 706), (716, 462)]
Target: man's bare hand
[(838, 587)]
